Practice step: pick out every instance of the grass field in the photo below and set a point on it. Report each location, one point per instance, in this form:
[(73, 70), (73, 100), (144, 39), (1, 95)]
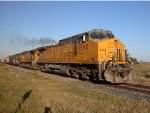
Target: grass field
[(141, 74), (27, 91)]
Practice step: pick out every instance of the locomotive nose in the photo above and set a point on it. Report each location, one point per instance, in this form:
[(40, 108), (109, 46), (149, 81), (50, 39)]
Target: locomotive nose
[(117, 70), (118, 75)]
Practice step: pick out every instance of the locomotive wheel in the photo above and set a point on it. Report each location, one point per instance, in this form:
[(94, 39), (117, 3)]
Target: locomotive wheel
[(84, 76), (74, 73), (65, 69)]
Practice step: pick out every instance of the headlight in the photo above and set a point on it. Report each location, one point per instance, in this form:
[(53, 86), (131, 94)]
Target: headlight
[(115, 42), (115, 59)]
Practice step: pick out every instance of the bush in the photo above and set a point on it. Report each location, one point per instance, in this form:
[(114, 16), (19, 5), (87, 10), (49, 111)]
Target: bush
[(133, 60)]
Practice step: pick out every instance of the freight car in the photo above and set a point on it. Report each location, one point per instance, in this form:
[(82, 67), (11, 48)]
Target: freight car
[(95, 55), (15, 59), (7, 60)]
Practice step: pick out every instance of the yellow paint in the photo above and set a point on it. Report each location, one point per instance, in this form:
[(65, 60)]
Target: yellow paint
[(25, 57), (109, 49), (35, 56), (120, 62), (89, 52)]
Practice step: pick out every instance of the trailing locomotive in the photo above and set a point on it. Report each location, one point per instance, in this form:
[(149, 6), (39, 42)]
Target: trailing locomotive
[(95, 55)]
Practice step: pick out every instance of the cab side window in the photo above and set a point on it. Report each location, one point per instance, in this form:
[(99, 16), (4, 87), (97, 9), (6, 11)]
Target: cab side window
[(83, 38)]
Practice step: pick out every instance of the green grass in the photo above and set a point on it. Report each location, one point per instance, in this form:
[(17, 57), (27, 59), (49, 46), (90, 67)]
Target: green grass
[(58, 95)]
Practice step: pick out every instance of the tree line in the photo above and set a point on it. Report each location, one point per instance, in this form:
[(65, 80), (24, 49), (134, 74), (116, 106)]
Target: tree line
[(130, 57)]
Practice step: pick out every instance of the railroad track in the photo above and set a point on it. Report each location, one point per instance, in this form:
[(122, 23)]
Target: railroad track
[(131, 87), (124, 86)]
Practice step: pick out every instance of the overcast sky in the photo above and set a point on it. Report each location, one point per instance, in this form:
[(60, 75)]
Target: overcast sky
[(27, 21)]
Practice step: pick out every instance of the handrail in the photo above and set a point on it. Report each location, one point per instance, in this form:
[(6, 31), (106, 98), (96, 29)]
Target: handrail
[(107, 57)]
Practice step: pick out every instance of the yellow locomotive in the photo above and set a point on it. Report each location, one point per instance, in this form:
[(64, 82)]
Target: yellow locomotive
[(95, 55)]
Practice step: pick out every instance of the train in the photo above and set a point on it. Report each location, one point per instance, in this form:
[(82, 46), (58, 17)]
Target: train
[(95, 55)]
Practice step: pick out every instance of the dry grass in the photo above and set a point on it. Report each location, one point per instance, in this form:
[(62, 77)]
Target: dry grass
[(141, 74), (56, 95)]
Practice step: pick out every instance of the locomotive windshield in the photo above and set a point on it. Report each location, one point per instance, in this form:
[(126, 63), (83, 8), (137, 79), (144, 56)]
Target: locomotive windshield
[(101, 34)]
